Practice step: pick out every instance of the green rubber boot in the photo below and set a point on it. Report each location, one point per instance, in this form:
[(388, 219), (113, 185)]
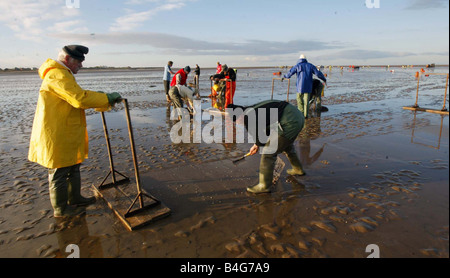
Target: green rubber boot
[(265, 175), (297, 169), (59, 194), (58, 199), (74, 189)]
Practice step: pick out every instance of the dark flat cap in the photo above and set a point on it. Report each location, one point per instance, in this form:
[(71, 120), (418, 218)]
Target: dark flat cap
[(76, 51)]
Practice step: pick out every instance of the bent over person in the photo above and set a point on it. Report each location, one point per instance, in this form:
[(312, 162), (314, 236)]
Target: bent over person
[(290, 122), (59, 139)]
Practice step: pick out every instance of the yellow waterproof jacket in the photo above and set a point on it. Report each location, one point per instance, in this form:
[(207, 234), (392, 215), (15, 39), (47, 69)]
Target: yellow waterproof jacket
[(59, 135)]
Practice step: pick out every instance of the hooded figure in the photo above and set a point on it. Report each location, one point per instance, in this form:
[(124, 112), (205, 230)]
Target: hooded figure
[(59, 139), (304, 71)]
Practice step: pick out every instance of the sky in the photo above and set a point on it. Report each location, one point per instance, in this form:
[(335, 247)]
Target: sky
[(239, 33)]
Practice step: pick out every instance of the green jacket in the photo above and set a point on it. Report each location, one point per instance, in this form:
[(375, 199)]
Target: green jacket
[(290, 120)]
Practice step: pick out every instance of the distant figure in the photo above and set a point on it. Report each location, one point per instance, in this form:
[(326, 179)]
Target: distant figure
[(316, 96), (304, 71), (229, 75), (182, 91), (227, 80), (167, 78), (180, 77), (219, 68), (197, 76), (59, 138), (178, 94)]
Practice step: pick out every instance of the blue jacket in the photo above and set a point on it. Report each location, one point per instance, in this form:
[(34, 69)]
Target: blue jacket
[(305, 71)]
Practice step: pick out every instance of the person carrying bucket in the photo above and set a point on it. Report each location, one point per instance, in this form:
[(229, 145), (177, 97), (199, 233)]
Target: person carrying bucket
[(59, 139), (228, 75), (290, 122), (304, 71)]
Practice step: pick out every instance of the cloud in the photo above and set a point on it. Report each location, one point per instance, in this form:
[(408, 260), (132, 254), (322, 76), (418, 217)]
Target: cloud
[(71, 26), (358, 54), (444, 53), (258, 59), (135, 19), (30, 19), (428, 4), (173, 44), (140, 2)]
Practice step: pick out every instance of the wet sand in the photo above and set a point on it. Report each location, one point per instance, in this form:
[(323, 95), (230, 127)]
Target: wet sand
[(376, 176)]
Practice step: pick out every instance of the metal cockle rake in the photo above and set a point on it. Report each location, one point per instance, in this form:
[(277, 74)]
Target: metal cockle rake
[(128, 216), (288, 87)]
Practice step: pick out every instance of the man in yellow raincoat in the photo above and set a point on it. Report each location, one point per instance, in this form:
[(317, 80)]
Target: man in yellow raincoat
[(59, 139)]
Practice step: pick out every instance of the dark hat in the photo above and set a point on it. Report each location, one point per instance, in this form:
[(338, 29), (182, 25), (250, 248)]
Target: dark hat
[(187, 69), (234, 106), (76, 51)]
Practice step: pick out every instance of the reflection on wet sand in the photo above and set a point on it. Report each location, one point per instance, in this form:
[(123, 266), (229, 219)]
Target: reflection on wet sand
[(76, 231), (427, 145)]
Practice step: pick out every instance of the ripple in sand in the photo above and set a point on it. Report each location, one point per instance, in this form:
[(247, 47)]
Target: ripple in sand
[(324, 225), (234, 247), (305, 230), (277, 247), (375, 205), (181, 234), (43, 248), (304, 245), (320, 241), (430, 251), (368, 220), (270, 235), (361, 227)]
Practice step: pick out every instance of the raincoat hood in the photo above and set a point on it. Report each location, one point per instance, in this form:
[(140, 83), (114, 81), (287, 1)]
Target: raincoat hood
[(51, 64), (59, 135)]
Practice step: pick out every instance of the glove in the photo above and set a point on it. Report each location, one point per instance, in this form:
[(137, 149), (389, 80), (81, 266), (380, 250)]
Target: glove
[(114, 98)]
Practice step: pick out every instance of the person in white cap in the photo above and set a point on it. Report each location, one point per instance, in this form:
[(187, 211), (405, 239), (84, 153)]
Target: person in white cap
[(304, 71)]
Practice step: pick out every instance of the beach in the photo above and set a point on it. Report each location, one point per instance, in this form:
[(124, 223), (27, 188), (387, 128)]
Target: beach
[(376, 174)]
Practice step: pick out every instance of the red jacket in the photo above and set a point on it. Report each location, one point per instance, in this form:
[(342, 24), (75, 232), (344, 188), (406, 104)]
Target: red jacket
[(219, 68), (183, 78)]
